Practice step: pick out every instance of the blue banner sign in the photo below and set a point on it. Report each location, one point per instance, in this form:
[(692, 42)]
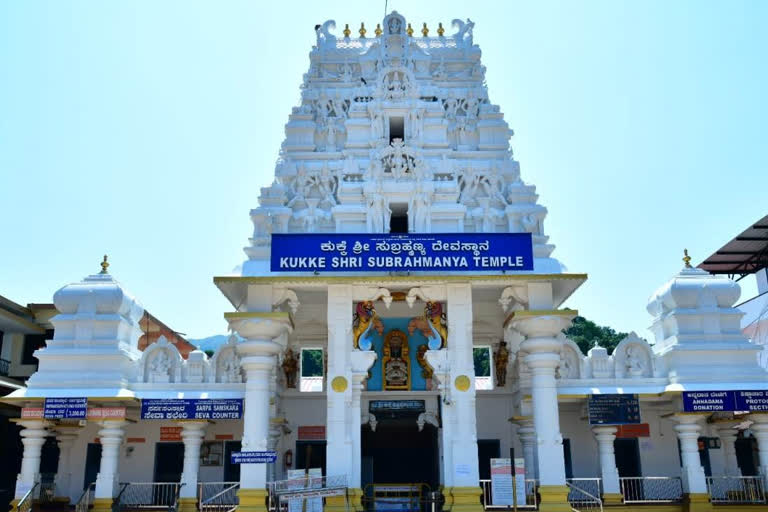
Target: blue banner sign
[(614, 409), (727, 401), (192, 409), (752, 401), (708, 401), (254, 457), (65, 408), (399, 252)]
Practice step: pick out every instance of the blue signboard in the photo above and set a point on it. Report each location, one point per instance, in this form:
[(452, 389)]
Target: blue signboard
[(708, 401), (398, 252), (265, 457), (192, 409), (65, 408), (614, 409), (752, 401)]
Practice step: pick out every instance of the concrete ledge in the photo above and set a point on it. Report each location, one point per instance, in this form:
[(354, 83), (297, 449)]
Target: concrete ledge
[(187, 504), (554, 498), (252, 500), (697, 503), (464, 499), (102, 505)]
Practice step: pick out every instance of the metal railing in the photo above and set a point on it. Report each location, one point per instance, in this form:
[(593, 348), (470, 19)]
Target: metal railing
[(149, 495), (47, 489), (736, 489), (584, 494), (306, 487), (217, 496), (531, 498), (85, 500), (25, 503), (5, 367), (651, 489)]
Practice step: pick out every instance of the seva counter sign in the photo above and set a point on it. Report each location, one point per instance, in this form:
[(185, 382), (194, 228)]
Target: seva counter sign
[(192, 409), (475, 252), (65, 408)]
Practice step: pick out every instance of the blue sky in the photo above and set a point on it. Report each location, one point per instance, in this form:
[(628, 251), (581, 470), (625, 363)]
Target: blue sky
[(145, 130)]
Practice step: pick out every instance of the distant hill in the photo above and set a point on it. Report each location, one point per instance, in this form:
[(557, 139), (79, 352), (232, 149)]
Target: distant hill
[(210, 343)]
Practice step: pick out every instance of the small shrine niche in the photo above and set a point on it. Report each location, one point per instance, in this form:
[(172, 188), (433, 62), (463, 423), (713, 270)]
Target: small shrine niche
[(396, 366)]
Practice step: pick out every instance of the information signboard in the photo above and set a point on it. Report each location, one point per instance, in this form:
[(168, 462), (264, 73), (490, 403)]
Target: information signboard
[(192, 409), (725, 401), (263, 457), (502, 492), (396, 405), (613, 409), (401, 252), (65, 408), (752, 401)]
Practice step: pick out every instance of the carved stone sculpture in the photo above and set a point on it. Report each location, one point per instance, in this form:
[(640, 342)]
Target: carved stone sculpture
[(290, 369), (500, 361)]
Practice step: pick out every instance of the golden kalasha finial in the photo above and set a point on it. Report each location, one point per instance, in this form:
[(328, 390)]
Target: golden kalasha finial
[(378, 30), (424, 30), (362, 30), (104, 266), (346, 30), (409, 30), (687, 259), (440, 29)]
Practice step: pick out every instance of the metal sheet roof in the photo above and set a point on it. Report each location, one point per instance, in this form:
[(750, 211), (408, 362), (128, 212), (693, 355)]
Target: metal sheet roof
[(746, 254)]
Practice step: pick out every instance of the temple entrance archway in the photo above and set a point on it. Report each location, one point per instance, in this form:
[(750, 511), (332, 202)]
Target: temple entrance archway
[(398, 453)]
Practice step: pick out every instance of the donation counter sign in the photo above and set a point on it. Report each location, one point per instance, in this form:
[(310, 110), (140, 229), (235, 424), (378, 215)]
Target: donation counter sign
[(65, 408), (401, 252)]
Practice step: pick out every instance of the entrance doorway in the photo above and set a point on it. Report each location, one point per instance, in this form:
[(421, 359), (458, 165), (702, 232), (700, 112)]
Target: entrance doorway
[(627, 457), (310, 454), (397, 453), (169, 462)]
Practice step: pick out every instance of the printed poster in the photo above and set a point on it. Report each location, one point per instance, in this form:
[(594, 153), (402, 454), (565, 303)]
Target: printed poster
[(501, 482)]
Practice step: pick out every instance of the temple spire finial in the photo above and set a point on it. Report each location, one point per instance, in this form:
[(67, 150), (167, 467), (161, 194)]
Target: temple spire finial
[(346, 30), (440, 30), (687, 259), (362, 30), (104, 266), (425, 30), (409, 30), (378, 30)]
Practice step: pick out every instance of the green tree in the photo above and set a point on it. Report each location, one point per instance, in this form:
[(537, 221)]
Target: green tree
[(482, 358), (312, 363), (586, 332)]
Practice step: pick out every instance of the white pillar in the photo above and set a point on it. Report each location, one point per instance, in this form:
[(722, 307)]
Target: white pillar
[(361, 362), (605, 435), (339, 394), (760, 430), (543, 349), (111, 438), (688, 431), (728, 436), (65, 436), (527, 434), (33, 438), (463, 442), (192, 433)]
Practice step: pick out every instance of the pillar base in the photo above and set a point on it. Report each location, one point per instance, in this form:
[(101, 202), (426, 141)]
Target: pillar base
[(698, 502), (613, 499), (554, 498), (339, 503), (187, 504), (464, 499), (252, 500), (102, 505)]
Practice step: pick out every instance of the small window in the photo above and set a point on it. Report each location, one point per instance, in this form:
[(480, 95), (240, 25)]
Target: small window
[(398, 221), (396, 128), (311, 369), (483, 375)]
